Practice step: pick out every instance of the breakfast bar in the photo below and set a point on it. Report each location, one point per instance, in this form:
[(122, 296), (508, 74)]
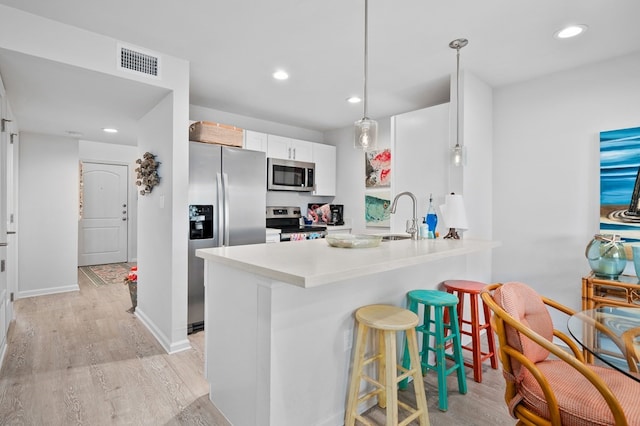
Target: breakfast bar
[(279, 319)]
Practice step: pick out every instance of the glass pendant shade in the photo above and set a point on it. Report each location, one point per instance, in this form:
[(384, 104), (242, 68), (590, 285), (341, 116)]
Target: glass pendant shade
[(459, 155), (366, 134)]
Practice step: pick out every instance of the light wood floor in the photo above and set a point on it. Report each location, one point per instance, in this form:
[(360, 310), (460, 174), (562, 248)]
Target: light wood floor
[(80, 358)]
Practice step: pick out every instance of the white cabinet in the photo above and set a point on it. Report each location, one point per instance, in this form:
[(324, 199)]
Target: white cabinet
[(255, 141), (325, 158), (289, 148)]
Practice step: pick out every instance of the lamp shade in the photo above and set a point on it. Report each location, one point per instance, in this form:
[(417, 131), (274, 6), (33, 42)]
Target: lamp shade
[(453, 212)]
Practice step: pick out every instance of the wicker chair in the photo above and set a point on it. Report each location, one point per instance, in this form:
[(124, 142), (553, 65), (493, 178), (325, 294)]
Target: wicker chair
[(629, 338), (545, 384)]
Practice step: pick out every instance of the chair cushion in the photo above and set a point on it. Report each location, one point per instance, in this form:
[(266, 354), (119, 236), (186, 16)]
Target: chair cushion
[(524, 304), (579, 401)]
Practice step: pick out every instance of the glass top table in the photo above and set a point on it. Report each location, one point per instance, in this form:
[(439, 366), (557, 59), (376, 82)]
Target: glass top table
[(611, 334)]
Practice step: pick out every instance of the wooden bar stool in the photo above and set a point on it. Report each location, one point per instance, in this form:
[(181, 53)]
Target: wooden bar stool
[(472, 289), (386, 320), (435, 326)]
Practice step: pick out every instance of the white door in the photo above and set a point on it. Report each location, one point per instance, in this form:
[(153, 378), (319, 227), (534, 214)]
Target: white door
[(103, 225)]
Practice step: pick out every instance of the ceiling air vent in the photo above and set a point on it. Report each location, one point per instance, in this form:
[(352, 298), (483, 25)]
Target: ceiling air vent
[(137, 61)]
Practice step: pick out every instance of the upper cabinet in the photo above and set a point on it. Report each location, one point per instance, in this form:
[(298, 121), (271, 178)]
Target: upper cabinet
[(255, 141), (325, 158), (289, 149)]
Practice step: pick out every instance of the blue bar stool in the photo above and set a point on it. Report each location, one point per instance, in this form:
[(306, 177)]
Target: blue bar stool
[(434, 327)]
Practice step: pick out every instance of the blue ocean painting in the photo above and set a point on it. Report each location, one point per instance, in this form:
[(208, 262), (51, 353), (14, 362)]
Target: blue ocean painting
[(619, 165)]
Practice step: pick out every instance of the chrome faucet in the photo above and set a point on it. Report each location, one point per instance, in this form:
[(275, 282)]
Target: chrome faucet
[(412, 225)]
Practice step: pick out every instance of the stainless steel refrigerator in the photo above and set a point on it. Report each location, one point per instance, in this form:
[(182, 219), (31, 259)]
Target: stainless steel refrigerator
[(233, 181)]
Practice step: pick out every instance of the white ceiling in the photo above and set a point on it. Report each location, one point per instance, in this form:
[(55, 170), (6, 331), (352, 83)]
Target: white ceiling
[(234, 47)]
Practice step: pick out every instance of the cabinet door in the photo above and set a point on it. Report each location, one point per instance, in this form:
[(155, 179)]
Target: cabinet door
[(325, 158), (255, 141), (279, 147), (302, 150)]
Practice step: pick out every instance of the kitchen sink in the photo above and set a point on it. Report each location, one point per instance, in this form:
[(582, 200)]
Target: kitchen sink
[(395, 237)]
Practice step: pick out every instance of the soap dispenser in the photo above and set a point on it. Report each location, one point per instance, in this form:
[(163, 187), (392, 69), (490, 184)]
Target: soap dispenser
[(432, 218)]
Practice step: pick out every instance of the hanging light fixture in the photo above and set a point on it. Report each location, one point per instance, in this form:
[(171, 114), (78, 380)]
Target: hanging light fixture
[(458, 152), (366, 129)]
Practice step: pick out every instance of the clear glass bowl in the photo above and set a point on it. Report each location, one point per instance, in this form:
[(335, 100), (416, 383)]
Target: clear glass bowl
[(353, 240), (606, 255)]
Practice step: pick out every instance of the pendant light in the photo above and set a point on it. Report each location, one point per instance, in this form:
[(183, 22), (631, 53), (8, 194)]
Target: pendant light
[(458, 152), (366, 129)]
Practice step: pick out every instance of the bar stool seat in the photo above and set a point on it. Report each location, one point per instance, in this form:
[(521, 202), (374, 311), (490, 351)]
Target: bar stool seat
[(472, 289), (386, 320), (435, 326)]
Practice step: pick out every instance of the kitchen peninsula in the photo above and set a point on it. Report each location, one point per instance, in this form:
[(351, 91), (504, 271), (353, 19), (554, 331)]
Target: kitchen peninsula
[(279, 319)]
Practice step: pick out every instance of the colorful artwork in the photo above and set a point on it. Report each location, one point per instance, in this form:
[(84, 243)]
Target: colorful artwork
[(377, 168), (376, 209), (620, 183), (319, 213)]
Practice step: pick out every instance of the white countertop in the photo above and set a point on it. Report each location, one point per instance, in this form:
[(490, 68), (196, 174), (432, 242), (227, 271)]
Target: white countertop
[(310, 263)]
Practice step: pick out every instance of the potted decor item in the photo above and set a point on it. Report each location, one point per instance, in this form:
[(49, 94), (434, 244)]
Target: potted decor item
[(606, 256), (131, 280)]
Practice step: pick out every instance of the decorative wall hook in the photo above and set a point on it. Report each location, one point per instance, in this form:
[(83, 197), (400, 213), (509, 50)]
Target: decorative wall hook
[(147, 173)]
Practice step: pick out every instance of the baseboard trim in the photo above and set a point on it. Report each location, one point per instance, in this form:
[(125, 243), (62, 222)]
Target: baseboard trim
[(167, 345), (50, 290)]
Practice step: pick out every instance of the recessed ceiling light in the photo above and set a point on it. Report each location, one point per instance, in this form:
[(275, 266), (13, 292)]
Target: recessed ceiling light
[(354, 100), (109, 130), (570, 31), (280, 75)]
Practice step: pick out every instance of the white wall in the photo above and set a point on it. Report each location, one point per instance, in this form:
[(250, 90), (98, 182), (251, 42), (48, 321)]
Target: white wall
[(162, 215), (350, 171), (99, 152), (546, 170), (48, 206)]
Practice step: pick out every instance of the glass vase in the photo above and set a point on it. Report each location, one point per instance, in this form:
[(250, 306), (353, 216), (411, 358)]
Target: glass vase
[(606, 256)]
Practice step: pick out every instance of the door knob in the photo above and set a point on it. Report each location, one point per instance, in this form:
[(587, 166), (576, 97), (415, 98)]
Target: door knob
[(124, 205), (124, 212), (124, 219)]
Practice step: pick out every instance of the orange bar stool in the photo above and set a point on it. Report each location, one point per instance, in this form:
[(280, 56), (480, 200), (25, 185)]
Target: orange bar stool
[(385, 321), (472, 290)]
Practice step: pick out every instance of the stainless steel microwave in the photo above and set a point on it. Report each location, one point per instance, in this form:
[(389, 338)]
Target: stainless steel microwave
[(290, 175)]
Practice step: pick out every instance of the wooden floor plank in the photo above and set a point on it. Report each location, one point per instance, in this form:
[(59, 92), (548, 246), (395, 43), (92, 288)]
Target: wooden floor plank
[(80, 358)]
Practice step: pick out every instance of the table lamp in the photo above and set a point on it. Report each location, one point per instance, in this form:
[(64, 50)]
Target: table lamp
[(454, 215)]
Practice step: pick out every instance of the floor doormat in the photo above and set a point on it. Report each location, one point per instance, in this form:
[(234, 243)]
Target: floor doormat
[(112, 273)]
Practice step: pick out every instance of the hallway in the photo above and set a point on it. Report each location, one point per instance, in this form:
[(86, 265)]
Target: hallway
[(80, 358)]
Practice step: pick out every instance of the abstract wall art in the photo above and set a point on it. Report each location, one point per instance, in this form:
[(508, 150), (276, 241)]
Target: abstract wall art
[(377, 168), (376, 209)]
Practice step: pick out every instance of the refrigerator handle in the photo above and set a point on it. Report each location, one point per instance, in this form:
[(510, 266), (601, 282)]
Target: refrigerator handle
[(220, 212), (225, 184)]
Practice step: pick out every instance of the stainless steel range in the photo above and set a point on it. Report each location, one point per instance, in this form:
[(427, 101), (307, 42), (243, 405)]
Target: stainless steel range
[(287, 219)]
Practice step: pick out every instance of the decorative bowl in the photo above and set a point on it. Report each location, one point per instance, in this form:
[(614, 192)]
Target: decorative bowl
[(353, 240)]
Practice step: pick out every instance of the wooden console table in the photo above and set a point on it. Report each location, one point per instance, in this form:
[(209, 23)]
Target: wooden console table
[(596, 292)]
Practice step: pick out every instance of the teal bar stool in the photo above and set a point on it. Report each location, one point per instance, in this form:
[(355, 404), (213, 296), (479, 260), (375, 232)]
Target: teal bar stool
[(433, 329)]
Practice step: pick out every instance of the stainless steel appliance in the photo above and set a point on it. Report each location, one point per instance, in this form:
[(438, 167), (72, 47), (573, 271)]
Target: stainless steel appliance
[(226, 192), (287, 219), (290, 175)]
